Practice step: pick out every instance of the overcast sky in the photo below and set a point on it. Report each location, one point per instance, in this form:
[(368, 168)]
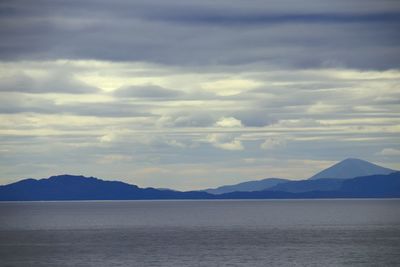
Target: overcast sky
[(196, 94)]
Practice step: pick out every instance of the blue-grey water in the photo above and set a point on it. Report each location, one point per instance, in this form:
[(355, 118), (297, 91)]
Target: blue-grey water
[(201, 233)]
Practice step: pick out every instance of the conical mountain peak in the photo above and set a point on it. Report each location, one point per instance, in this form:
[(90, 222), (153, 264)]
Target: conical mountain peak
[(350, 168)]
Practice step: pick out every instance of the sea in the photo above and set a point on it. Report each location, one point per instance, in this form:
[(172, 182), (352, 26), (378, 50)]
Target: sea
[(339, 232)]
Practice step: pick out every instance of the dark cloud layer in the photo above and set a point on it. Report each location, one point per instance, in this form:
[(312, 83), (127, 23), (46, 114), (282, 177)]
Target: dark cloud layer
[(356, 34), (225, 20), (52, 83)]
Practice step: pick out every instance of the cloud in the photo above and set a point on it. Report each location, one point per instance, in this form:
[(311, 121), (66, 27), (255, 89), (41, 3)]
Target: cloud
[(321, 107), (259, 18), (196, 86), (225, 141), (114, 159), (228, 122), (51, 82), (162, 141), (310, 35), (273, 142), (13, 103), (253, 117), (147, 91), (187, 118), (301, 122), (389, 152), (108, 138), (228, 87)]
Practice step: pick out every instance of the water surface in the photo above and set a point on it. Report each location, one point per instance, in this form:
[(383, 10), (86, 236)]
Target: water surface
[(201, 233)]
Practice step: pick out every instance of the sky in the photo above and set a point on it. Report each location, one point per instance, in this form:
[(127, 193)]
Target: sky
[(197, 94)]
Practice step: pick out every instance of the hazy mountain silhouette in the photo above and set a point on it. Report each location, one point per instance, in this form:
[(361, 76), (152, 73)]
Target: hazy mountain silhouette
[(70, 187), (350, 168), (247, 186), (327, 180), (308, 185), (375, 186)]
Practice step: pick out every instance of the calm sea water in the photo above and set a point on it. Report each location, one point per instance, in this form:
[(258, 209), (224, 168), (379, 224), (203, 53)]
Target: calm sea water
[(201, 233)]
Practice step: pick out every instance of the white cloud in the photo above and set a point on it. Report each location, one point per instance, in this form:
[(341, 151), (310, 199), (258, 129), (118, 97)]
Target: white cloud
[(234, 145), (225, 141), (228, 122), (389, 152), (147, 91), (228, 87), (298, 123), (323, 108), (114, 158), (108, 138), (273, 142)]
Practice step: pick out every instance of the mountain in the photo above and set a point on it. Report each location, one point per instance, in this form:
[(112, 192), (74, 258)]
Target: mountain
[(374, 186), (308, 185), (346, 169), (350, 168), (70, 187), (247, 186)]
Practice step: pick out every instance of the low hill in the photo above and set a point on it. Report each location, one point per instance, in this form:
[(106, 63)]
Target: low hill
[(71, 187), (247, 186)]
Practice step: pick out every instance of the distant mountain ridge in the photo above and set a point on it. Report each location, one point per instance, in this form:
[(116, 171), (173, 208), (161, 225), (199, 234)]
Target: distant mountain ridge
[(248, 186), (345, 169), (374, 186), (350, 168), (309, 185), (321, 185), (70, 187), (73, 187)]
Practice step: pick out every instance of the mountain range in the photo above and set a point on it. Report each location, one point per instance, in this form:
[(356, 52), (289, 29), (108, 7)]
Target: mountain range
[(345, 169), (71, 187), (248, 186), (374, 186)]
